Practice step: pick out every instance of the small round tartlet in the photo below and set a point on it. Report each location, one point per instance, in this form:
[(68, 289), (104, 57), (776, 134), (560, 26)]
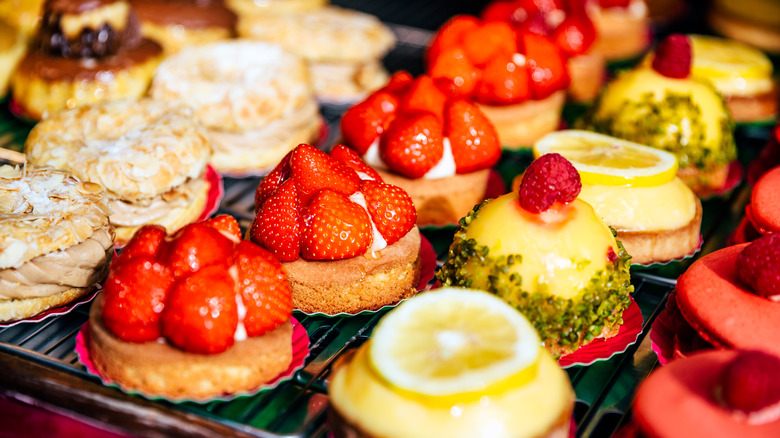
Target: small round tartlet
[(342, 47), (56, 241), (84, 51), (151, 157), (192, 316), (347, 241), (451, 362), (436, 147), (175, 24), (254, 98)]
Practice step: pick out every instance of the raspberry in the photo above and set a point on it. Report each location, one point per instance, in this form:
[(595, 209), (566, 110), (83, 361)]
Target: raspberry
[(673, 57), (550, 179), (758, 268), (750, 383)]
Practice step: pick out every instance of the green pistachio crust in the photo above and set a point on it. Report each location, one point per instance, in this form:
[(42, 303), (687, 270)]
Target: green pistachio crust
[(563, 324)]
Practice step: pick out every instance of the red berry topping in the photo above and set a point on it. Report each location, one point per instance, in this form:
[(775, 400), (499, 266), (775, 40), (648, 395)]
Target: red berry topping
[(505, 80), (491, 39), (614, 3), (366, 121), (391, 209), (334, 228), (272, 181), (201, 314), (135, 293), (194, 247), (227, 225), (146, 241), (758, 266), (413, 144), (575, 34), (398, 83), (673, 57), (314, 170), (472, 137), (422, 95), (546, 65), (750, 382), (450, 35), (352, 159), (455, 67), (550, 179), (277, 227)]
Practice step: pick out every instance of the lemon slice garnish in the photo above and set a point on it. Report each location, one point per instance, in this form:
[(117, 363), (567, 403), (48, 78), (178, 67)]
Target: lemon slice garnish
[(721, 58), (454, 345), (601, 159)]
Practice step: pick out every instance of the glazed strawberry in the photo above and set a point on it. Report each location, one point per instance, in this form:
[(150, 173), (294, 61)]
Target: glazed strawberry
[(488, 41), (454, 66), (505, 80), (135, 294), (673, 57), (272, 181), (473, 138), (334, 228), (264, 289), (145, 241), (549, 179), (352, 159), (423, 95), (575, 35), (757, 266), (413, 144), (226, 224), (391, 209), (750, 382), (314, 170), (546, 66), (366, 121), (277, 227), (201, 314), (450, 35), (398, 82), (194, 247)]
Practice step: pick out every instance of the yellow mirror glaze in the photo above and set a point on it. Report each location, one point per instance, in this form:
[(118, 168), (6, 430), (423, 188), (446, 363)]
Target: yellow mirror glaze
[(734, 68), (559, 257)]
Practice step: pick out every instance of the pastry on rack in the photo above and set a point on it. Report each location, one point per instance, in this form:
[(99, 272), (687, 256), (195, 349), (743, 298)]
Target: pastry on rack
[(756, 22), (55, 239), (436, 147), (254, 98), (347, 240), (150, 157), (548, 254), (343, 48), (450, 362), (12, 48), (177, 23), (85, 51), (193, 315), (622, 26)]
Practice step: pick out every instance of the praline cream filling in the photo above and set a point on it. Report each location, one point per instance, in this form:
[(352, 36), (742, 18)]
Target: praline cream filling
[(129, 214), (443, 169)]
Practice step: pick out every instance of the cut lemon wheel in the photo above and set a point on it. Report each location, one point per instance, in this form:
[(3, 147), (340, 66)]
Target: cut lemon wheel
[(454, 345), (721, 58), (601, 159)]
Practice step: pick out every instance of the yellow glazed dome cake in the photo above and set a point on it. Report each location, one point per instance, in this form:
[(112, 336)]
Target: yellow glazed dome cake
[(455, 363), (559, 265)]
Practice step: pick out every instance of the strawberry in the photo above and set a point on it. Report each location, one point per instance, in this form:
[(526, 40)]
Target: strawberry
[(423, 95), (146, 241), (352, 159), (453, 65), (194, 247), (489, 40), (227, 225), (673, 57), (264, 288), (398, 82), (201, 313), (750, 382), (391, 209), (505, 80), (271, 181), (757, 266), (334, 228), (575, 34), (277, 227), (413, 144), (549, 179), (450, 35), (366, 121), (135, 293), (546, 66), (314, 170), (473, 138)]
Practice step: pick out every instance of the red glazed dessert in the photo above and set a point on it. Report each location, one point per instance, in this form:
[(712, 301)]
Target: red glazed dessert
[(347, 240), (570, 28), (762, 214), (195, 315), (622, 26), (517, 77), (715, 394), (437, 147)]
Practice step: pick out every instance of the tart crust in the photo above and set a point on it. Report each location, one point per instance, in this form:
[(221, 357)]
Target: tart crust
[(522, 124), (748, 109)]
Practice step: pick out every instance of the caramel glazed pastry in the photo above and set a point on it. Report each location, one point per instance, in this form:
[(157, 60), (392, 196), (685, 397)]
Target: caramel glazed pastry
[(178, 23), (85, 51), (343, 48), (55, 239), (151, 158), (254, 99)]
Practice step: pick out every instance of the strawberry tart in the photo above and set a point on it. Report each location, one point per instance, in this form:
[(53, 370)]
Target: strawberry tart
[(437, 147), (517, 77), (194, 315), (568, 24), (347, 241)]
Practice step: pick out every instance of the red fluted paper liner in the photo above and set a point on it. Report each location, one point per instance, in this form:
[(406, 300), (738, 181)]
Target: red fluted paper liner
[(60, 310), (300, 350), (732, 180), (643, 266)]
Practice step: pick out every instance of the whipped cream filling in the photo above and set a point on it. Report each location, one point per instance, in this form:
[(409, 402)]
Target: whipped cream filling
[(240, 333), (443, 169), (78, 266), (144, 211), (378, 243)]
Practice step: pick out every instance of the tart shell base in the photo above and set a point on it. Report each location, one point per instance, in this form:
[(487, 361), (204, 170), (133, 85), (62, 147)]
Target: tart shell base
[(522, 124)]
